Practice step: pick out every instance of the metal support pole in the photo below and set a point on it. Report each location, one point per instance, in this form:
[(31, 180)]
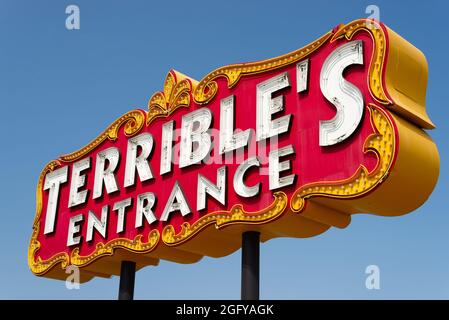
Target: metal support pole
[(250, 265), (127, 277)]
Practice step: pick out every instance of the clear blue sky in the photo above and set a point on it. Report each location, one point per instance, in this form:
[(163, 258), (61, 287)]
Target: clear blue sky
[(60, 88)]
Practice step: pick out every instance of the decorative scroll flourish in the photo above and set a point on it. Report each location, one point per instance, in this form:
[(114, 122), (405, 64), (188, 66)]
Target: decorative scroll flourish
[(133, 122), (39, 266), (181, 91), (377, 63), (382, 143), (107, 249), (177, 93), (207, 88), (225, 218)]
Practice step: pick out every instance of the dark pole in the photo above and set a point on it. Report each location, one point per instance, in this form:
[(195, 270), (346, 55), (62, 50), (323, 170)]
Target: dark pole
[(127, 276), (250, 265)]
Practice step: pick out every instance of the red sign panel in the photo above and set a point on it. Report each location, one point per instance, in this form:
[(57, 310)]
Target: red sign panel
[(288, 146)]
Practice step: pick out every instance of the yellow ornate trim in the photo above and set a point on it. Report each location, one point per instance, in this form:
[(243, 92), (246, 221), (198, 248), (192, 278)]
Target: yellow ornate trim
[(133, 122), (39, 266), (222, 219), (377, 63), (207, 88), (382, 143), (108, 249), (52, 165), (177, 92)]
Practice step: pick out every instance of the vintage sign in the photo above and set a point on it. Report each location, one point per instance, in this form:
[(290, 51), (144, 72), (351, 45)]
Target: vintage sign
[(288, 146)]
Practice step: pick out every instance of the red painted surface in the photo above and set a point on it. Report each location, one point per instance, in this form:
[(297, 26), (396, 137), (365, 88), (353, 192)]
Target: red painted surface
[(311, 163)]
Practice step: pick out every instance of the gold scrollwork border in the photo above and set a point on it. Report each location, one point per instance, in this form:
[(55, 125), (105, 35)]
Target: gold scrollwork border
[(132, 121), (39, 266), (382, 143), (176, 94), (102, 249), (222, 219), (377, 63), (180, 91), (207, 88)]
